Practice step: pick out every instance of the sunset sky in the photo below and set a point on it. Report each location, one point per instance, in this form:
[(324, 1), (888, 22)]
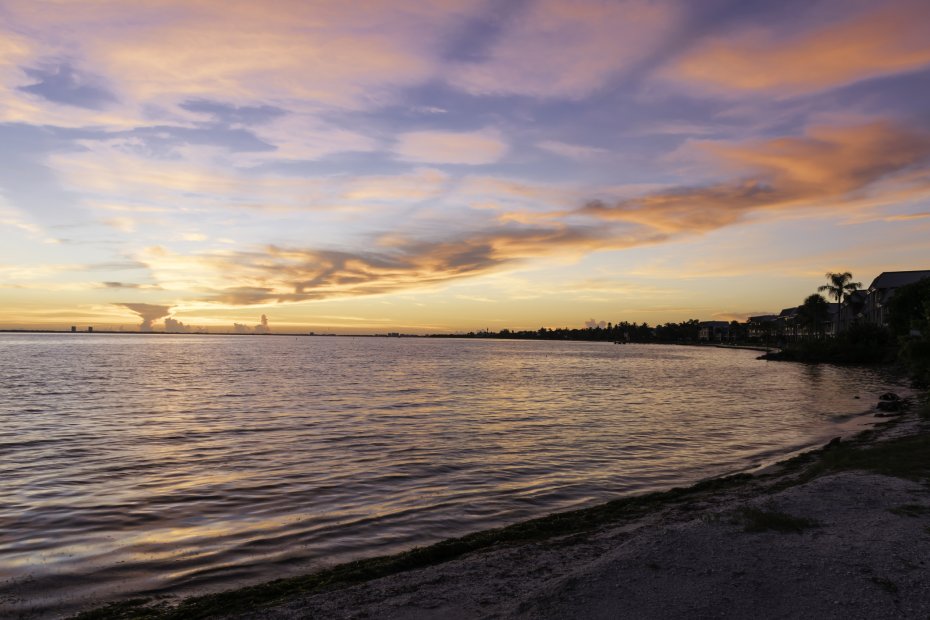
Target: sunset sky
[(355, 166)]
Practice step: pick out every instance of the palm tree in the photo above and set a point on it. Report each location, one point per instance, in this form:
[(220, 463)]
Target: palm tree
[(840, 285)]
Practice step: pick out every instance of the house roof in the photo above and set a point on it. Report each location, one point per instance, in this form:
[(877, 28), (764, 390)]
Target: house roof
[(714, 324), (788, 312), (856, 296), (894, 279), (763, 318)]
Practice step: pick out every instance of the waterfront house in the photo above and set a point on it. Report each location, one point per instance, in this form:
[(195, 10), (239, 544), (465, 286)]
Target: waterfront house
[(713, 331), (880, 292), (786, 323), (831, 325), (852, 310), (761, 327)]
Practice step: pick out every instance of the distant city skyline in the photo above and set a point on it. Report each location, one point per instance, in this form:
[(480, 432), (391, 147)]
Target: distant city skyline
[(368, 167)]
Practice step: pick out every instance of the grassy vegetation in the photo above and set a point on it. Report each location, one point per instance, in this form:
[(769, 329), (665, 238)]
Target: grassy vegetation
[(905, 457), (764, 520)]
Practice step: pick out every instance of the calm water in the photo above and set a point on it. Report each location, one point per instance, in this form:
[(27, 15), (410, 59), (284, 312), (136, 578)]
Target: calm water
[(179, 464)]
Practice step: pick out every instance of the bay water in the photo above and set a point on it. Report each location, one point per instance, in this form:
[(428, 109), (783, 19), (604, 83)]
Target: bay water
[(178, 464)]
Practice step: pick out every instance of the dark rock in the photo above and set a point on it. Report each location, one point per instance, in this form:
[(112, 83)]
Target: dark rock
[(890, 405), (889, 397), (833, 443)]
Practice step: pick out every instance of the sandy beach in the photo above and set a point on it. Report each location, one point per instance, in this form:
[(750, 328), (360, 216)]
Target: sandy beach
[(864, 559), (843, 531), (851, 544)]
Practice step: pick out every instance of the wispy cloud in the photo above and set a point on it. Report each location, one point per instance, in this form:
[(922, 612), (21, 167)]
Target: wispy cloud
[(421, 184), (572, 151), (566, 50), (131, 286), (816, 170), (447, 147), (285, 274), (238, 49), (235, 153), (799, 57)]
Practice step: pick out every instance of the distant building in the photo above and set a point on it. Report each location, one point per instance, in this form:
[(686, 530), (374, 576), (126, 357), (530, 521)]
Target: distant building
[(713, 331), (73, 328), (880, 292), (762, 326), (851, 310), (90, 329), (786, 324), (831, 325)]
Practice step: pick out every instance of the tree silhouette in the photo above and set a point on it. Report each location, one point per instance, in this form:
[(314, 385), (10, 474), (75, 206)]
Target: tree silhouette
[(840, 285), (813, 313)]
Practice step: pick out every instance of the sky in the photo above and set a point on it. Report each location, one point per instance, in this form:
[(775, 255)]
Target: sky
[(363, 166)]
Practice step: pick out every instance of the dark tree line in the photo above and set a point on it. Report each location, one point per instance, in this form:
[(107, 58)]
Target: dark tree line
[(624, 331), (910, 323)]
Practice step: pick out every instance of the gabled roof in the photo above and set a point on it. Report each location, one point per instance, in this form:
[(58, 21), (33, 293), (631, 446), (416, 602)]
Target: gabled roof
[(894, 279), (763, 318), (714, 324), (856, 296), (788, 312)]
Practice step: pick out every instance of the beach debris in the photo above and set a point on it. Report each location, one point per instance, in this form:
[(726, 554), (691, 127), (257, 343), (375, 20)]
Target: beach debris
[(889, 397)]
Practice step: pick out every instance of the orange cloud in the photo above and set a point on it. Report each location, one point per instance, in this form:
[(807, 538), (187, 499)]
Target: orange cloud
[(907, 217), (822, 168), (161, 52), (885, 39), (278, 274), (419, 185)]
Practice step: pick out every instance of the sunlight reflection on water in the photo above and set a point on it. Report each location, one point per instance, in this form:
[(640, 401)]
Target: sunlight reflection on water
[(144, 464)]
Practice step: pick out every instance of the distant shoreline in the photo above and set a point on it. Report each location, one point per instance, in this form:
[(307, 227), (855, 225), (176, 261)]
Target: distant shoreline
[(163, 333), (746, 347)]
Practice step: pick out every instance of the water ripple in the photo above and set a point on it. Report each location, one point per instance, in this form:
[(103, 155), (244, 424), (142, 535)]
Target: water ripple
[(183, 464)]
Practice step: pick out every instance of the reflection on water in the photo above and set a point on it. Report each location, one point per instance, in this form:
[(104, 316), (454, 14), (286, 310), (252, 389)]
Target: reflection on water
[(152, 464)]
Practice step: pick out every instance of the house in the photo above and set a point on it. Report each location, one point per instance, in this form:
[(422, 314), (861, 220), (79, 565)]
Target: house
[(762, 326), (713, 331), (786, 322), (851, 311), (831, 325), (880, 292)]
